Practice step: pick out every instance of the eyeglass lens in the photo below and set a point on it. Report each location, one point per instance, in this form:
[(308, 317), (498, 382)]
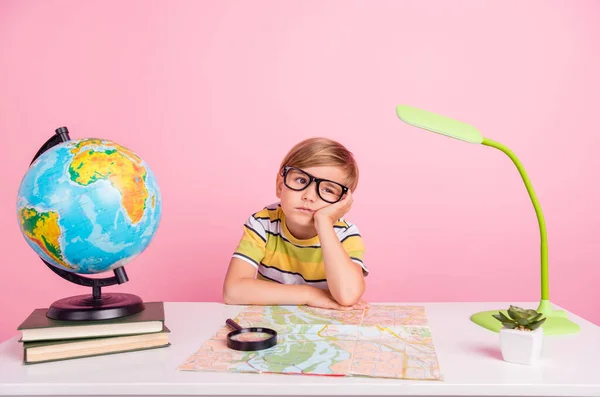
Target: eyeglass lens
[(298, 180)]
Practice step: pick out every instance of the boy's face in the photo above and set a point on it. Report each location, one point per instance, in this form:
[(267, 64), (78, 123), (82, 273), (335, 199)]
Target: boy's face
[(300, 206)]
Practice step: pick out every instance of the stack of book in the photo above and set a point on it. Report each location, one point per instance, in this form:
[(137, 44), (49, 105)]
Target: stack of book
[(45, 339)]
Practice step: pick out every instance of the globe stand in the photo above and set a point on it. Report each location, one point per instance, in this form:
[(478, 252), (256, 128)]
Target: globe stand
[(96, 306)]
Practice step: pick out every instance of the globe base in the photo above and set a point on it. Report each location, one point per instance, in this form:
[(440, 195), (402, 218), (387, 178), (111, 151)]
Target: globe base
[(86, 307)]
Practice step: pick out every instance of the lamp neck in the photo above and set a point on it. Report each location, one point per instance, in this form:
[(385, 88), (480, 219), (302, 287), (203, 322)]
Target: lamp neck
[(538, 212)]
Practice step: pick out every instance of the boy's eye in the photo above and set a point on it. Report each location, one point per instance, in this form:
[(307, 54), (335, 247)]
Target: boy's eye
[(331, 188), (301, 180)]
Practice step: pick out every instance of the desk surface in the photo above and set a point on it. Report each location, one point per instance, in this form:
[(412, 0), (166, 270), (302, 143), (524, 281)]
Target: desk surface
[(469, 357)]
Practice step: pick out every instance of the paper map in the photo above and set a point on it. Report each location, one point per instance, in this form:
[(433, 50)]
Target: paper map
[(377, 341)]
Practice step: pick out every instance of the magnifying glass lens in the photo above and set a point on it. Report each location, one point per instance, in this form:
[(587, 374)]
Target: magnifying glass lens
[(251, 337)]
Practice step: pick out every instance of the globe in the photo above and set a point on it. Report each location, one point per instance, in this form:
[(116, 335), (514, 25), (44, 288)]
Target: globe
[(88, 206)]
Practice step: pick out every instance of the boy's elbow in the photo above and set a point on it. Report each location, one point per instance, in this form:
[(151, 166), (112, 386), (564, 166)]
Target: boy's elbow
[(229, 297), (350, 296), (228, 300), (348, 300), (234, 292)]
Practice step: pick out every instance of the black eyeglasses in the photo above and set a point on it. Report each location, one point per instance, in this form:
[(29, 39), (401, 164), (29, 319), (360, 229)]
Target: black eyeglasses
[(298, 180)]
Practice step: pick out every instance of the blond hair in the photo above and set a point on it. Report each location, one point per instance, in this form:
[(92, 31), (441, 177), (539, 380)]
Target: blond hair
[(314, 152)]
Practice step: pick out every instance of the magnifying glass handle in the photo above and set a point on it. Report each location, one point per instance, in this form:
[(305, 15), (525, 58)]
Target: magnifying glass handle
[(232, 324)]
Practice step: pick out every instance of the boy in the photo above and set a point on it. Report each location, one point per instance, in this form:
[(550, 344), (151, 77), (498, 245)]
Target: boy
[(301, 251)]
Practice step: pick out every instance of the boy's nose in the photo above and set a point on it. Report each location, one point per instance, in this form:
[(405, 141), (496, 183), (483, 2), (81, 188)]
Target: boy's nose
[(310, 194)]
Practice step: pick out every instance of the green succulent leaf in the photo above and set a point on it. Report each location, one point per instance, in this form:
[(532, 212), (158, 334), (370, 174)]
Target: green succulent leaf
[(509, 325), (516, 309), (531, 313), (536, 325), (519, 314), (513, 313), (501, 317), (536, 318)]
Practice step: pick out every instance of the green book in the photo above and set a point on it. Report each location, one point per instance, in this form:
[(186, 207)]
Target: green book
[(45, 351), (38, 327)]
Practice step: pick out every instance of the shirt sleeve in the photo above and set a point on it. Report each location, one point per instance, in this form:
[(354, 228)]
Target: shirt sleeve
[(252, 245), (353, 245)]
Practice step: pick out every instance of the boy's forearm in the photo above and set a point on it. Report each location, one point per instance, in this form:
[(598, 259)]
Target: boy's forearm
[(344, 277), (249, 291)]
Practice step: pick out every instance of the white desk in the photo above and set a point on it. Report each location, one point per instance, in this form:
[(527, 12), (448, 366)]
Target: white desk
[(469, 358)]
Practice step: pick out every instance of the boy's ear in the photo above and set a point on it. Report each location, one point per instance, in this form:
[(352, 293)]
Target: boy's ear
[(278, 185)]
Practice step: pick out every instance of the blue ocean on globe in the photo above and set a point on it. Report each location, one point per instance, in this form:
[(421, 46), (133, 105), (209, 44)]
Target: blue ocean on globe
[(89, 206)]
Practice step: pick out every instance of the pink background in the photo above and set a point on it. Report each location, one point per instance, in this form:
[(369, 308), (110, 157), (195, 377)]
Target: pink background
[(212, 95)]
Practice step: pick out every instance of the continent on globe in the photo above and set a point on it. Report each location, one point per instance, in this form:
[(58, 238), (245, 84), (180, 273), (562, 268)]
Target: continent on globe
[(116, 166), (42, 228)]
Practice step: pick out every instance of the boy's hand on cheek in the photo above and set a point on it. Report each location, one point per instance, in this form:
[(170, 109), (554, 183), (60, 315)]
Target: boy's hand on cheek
[(328, 215)]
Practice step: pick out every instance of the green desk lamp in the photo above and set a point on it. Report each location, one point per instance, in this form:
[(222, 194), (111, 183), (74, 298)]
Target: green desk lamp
[(557, 322)]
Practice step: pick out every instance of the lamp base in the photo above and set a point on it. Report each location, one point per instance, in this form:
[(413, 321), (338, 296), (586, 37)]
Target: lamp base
[(556, 322)]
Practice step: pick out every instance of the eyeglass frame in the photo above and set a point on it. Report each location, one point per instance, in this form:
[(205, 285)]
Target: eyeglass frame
[(312, 179)]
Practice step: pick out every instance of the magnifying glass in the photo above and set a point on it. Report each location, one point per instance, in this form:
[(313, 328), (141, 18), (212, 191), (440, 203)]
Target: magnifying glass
[(250, 339)]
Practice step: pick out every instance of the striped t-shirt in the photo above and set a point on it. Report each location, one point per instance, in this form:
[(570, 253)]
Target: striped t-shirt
[(278, 256)]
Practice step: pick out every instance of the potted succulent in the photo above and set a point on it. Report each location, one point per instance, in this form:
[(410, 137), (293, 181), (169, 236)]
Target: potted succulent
[(521, 336)]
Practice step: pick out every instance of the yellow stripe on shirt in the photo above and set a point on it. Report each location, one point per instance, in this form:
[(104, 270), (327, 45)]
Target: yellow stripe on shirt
[(284, 258)]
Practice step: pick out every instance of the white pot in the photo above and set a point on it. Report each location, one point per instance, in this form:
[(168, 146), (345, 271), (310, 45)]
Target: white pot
[(521, 347)]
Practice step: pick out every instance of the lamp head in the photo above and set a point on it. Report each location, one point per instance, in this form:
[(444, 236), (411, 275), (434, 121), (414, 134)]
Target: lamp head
[(440, 124)]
